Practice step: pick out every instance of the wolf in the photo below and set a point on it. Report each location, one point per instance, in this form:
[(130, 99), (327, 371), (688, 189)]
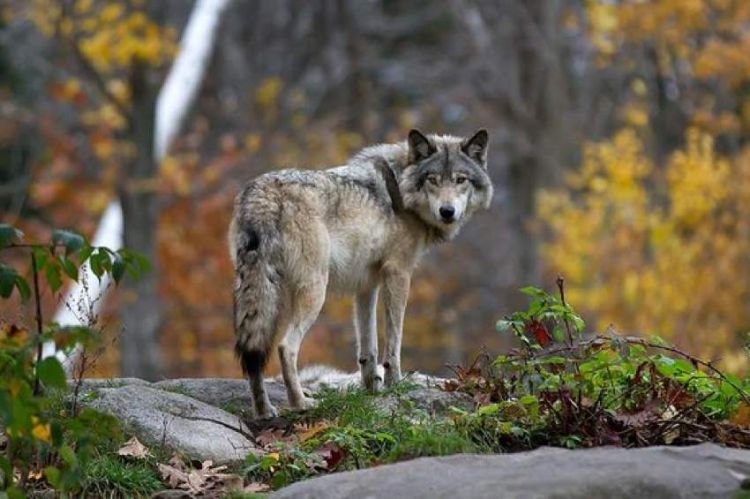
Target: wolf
[(360, 229)]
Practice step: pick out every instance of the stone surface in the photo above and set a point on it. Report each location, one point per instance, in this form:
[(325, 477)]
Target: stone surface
[(198, 417), (175, 421), (234, 394), (703, 471), (225, 393)]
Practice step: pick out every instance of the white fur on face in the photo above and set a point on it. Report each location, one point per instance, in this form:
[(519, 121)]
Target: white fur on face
[(448, 196), (446, 192)]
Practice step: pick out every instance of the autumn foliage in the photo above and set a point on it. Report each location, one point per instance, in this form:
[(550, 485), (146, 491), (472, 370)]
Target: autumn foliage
[(653, 237), (648, 222)]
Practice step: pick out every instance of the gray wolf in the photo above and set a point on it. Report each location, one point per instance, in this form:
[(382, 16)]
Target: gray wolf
[(360, 229)]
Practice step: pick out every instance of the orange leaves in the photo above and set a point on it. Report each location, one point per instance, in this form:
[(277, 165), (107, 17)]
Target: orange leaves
[(69, 90)]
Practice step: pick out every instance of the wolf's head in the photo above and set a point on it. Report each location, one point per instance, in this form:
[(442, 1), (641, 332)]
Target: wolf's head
[(445, 180)]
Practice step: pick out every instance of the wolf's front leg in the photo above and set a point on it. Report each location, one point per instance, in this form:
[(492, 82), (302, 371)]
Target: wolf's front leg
[(395, 293), (365, 323)]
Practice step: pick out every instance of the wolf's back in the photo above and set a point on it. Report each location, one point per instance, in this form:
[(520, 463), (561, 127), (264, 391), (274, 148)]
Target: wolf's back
[(255, 247)]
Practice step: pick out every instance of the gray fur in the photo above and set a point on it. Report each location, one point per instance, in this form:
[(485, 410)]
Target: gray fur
[(358, 229)]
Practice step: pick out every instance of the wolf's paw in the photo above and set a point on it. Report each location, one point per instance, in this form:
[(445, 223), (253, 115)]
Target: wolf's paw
[(305, 403), (372, 381), (392, 376), (373, 384), (268, 411)]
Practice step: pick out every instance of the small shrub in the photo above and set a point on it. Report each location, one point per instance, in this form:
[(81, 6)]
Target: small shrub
[(560, 388), (43, 436)]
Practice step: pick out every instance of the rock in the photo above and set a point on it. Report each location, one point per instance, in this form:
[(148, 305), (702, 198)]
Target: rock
[(88, 384), (193, 416), (433, 400), (175, 421), (703, 471), (233, 395)]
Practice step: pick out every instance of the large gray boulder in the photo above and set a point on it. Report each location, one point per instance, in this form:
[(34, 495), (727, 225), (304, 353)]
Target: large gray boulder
[(174, 421), (703, 471)]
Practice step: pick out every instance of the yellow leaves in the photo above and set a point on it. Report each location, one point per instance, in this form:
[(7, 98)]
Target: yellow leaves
[(602, 18), (13, 336), (111, 12), (306, 431), (639, 87), (635, 116), (697, 181), (252, 142), (728, 60), (83, 6), (267, 96), (41, 431), (656, 249), (110, 33)]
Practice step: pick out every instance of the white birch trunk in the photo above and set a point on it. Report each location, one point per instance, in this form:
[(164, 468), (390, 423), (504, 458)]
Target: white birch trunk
[(173, 104)]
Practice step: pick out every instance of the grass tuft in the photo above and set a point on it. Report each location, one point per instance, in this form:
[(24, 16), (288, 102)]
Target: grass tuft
[(111, 476)]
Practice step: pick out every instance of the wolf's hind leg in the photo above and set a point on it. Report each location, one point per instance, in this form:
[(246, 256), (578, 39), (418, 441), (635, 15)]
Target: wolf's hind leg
[(252, 364), (365, 323), (306, 304)]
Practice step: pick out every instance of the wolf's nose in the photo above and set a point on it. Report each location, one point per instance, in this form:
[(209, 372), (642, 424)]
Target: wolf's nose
[(447, 212)]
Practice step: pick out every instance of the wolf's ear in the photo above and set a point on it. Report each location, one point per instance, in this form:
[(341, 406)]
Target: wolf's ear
[(420, 146), (476, 146)]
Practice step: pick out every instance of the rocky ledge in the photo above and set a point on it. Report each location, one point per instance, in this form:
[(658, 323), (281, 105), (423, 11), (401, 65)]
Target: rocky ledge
[(203, 418)]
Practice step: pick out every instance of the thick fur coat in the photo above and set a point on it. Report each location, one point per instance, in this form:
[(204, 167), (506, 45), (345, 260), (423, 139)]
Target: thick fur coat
[(358, 229)]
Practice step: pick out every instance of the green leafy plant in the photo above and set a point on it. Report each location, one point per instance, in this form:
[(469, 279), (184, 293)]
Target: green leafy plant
[(40, 434), (564, 388)]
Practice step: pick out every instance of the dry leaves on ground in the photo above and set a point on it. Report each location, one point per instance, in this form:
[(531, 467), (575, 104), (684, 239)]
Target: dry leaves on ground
[(135, 449), (208, 481)]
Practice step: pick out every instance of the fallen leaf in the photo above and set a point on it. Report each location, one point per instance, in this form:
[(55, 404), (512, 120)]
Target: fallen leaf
[(256, 487), (639, 418), (134, 448), (269, 436), (177, 462), (332, 454), (172, 475), (36, 475), (742, 416), (307, 431)]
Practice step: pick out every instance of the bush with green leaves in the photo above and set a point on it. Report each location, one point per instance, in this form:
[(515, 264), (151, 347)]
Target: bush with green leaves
[(562, 387), (39, 432)]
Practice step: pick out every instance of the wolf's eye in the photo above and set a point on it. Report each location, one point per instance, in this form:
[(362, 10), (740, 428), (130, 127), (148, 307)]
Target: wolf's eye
[(432, 180), (460, 180)]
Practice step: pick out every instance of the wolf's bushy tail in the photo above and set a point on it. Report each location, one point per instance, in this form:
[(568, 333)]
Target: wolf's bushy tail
[(257, 292)]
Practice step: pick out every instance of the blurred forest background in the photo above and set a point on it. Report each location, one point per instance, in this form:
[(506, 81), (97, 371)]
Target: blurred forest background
[(619, 149)]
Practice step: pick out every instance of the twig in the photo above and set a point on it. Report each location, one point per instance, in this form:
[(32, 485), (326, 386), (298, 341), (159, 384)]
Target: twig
[(242, 432), (561, 287), (694, 360), (39, 346)]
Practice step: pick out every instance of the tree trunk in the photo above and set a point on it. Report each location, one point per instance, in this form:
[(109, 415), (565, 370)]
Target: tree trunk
[(141, 311)]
